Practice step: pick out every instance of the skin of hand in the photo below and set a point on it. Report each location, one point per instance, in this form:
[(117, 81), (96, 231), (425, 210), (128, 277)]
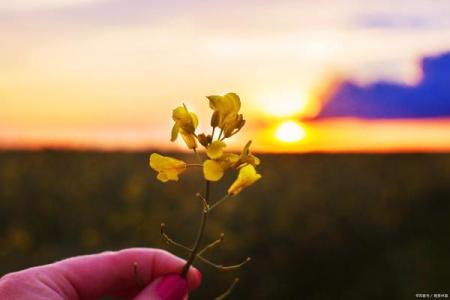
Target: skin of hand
[(105, 274)]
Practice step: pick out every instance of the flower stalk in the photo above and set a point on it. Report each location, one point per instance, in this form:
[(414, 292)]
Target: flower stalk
[(200, 233), (227, 119)]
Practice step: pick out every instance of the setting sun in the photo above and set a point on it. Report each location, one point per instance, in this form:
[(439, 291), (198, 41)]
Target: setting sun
[(290, 131)]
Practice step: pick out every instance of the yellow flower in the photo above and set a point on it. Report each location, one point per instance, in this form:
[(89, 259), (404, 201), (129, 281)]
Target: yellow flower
[(233, 124), (247, 157), (224, 106), (185, 123), (212, 170), (190, 140), (168, 168), (228, 160), (225, 114), (219, 162), (215, 149), (247, 176)]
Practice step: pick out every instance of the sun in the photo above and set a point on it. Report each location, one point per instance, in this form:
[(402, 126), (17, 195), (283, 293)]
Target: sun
[(290, 132)]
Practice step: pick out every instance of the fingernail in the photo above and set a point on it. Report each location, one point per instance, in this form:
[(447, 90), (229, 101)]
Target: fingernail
[(172, 287)]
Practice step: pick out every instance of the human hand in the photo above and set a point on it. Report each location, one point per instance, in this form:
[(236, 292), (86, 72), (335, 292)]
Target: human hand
[(105, 274)]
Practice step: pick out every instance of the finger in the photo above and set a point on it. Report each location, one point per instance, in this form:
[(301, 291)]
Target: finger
[(112, 273), (169, 287)]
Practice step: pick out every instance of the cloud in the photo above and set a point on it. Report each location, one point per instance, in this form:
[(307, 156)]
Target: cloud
[(395, 21), (385, 100), (30, 5)]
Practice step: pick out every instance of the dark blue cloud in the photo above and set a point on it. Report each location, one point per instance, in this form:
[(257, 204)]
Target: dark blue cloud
[(429, 98)]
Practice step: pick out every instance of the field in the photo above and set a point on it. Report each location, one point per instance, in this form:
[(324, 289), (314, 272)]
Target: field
[(317, 226)]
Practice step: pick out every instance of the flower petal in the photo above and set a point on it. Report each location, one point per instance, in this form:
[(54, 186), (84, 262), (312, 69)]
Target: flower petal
[(156, 161), (226, 110), (174, 134), (194, 119), (168, 168), (215, 150), (228, 160), (247, 158), (247, 176), (212, 170), (162, 177), (185, 120), (189, 139)]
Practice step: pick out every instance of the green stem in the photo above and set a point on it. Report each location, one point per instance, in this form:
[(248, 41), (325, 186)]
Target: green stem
[(211, 245), (212, 134), (219, 202), (199, 238), (194, 165), (228, 292)]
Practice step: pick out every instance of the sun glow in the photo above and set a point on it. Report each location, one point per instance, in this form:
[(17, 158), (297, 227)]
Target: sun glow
[(290, 132), (285, 103)]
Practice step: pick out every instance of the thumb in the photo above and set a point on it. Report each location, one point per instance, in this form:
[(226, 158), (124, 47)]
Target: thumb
[(169, 287)]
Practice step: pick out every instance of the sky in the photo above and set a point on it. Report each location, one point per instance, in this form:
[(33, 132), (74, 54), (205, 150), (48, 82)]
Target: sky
[(107, 73)]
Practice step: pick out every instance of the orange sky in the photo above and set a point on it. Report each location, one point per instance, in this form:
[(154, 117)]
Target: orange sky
[(334, 135), (106, 74)]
